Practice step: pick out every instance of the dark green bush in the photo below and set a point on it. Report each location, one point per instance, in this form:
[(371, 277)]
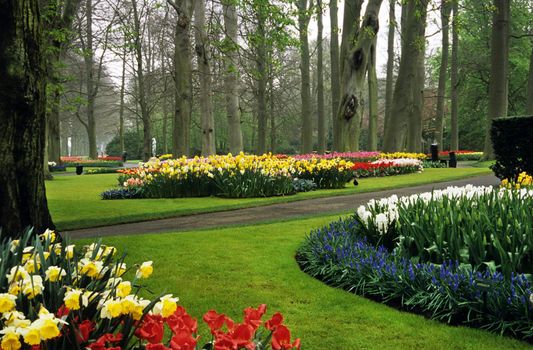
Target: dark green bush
[(512, 139)]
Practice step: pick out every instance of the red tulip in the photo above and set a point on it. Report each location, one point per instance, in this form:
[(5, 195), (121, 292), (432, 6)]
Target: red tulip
[(152, 329), (281, 339), (274, 322)]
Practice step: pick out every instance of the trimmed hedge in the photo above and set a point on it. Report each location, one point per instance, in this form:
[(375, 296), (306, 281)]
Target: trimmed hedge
[(512, 139)]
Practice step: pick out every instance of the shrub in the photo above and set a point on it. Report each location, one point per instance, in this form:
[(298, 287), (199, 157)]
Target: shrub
[(56, 296), (95, 163), (427, 164), (302, 185), (340, 256), (513, 148), (123, 193)]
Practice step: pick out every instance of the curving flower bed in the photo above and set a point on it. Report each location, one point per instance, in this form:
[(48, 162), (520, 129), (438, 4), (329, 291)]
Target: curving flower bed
[(461, 255), (55, 296)]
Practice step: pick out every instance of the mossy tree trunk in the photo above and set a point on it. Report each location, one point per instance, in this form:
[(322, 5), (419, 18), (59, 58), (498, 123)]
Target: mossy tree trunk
[(23, 118), (355, 55)]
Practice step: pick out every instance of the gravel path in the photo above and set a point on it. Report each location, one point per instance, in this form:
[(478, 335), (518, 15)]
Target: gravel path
[(319, 206)]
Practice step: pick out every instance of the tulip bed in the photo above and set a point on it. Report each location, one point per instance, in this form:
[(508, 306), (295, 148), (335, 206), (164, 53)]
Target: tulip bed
[(385, 167), (57, 296), (460, 255), (361, 156)]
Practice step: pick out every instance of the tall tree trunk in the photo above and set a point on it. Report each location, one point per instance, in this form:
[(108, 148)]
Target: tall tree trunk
[(335, 70), (357, 46), (231, 77), (414, 141), (305, 90), (181, 134), (407, 82), (261, 89), (389, 84), (23, 119), (445, 10), (204, 70), (60, 21), (498, 84), (273, 140), (372, 100), (121, 107), (322, 126), (454, 80), (53, 128), (145, 114), (529, 104), (89, 80)]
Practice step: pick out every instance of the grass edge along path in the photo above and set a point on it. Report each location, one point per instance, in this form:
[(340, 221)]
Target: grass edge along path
[(233, 268), (75, 201)]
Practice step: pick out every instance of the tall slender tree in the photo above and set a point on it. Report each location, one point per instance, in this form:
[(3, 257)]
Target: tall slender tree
[(182, 77), (499, 63), (407, 84), (231, 76), (529, 102), (445, 11), (322, 125), (204, 71), (305, 89), (454, 80), (372, 142), (23, 118), (334, 69), (389, 83)]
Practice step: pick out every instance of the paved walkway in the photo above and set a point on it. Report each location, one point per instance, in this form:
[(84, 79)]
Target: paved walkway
[(328, 205)]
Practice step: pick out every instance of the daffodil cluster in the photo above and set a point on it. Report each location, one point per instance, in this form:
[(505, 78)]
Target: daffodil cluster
[(523, 180), (57, 296), (234, 176)]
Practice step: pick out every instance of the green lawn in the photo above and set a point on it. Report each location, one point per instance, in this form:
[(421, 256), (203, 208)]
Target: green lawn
[(75, 202), (230, 269)]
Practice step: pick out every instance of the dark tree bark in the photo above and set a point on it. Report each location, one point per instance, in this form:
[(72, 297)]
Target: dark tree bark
[(22, 116), (499, 63)]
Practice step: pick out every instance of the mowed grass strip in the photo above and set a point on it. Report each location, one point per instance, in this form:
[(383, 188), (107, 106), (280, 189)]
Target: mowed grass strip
[(230, 269), (75, 201)]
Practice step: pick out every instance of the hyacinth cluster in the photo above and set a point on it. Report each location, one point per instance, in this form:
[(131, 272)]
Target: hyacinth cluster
[(55, 295), (340, 255), (232, 176), (480, 226), (384, 167)]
